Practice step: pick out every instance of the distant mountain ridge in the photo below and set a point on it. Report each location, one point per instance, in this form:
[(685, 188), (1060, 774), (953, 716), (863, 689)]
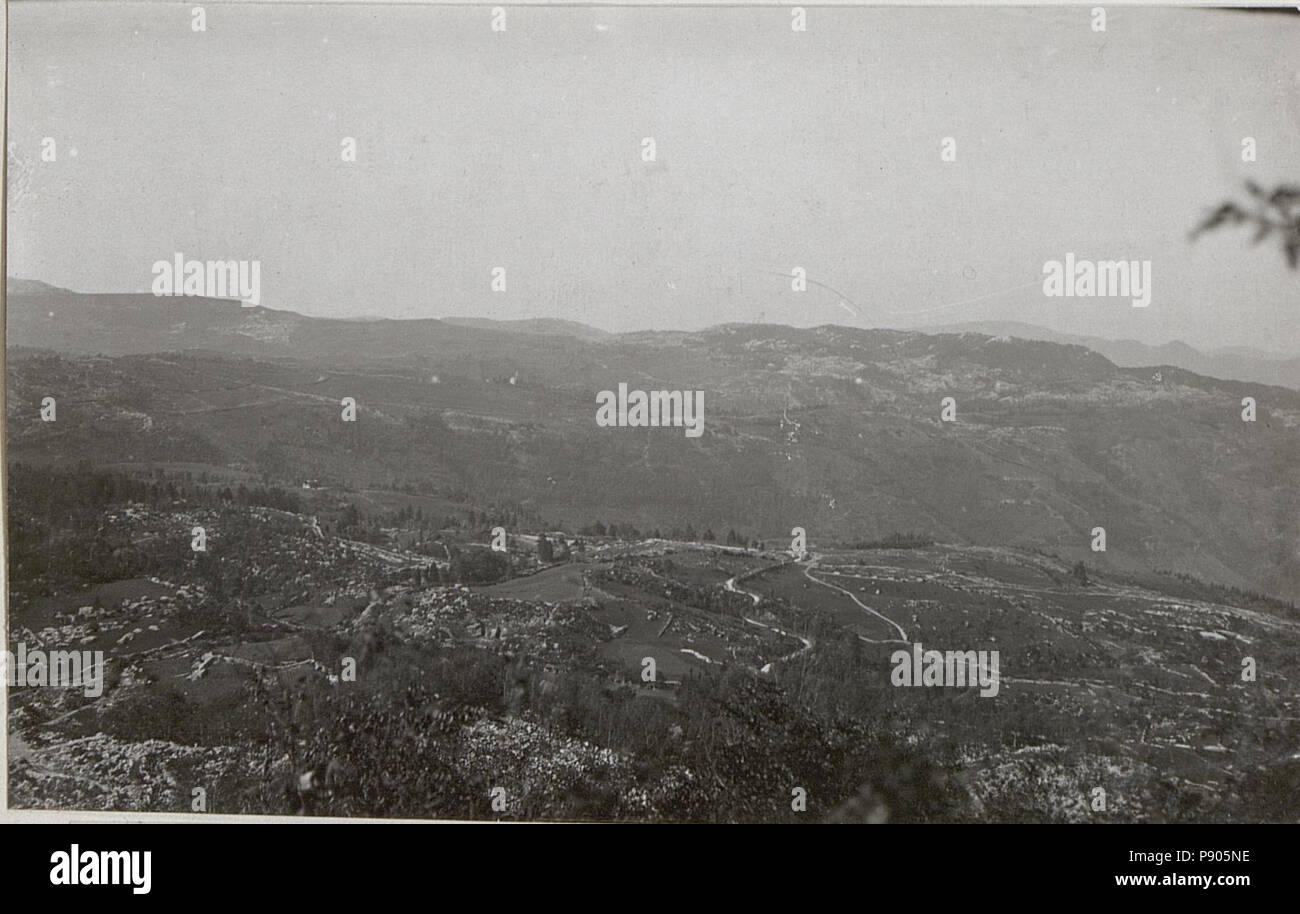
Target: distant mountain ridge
[(33, 287), (44, 316), (831, 428), (542, 326), (1237, 363)]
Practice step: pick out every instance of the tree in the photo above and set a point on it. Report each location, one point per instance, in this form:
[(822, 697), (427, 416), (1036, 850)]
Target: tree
[(545, 554), (479, 566), (1080, 573), (350, 518)]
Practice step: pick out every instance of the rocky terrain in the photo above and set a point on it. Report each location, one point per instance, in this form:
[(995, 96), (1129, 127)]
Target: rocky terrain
[(647, 643)]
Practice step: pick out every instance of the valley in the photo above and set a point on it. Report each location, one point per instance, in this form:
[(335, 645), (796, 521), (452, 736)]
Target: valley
[(647, 646)]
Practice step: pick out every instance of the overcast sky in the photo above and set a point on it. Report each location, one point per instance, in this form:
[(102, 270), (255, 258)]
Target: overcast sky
[(775, 149)]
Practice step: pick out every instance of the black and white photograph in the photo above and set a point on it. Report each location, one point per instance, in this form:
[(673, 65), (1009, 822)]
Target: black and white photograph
[(652, 414)]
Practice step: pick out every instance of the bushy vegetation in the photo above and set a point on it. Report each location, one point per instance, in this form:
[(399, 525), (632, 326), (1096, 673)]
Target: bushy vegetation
[(479, 566), (462, 691), (898, 541), (1192, 586)]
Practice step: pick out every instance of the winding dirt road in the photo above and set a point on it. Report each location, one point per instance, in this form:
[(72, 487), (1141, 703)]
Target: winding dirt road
[(902, 635)]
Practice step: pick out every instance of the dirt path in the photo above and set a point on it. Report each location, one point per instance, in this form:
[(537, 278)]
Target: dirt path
[(807, 642), (730, 585), (902, 635)]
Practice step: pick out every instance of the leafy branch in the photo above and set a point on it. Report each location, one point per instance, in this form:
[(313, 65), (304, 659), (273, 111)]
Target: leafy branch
[(1278, 211)]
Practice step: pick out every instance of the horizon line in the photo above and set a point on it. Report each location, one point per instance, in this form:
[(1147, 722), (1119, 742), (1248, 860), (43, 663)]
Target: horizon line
[(1067, 339)]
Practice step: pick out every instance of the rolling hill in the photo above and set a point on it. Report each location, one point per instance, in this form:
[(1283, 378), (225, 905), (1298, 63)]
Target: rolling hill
[(1235, 362), (836, 430)]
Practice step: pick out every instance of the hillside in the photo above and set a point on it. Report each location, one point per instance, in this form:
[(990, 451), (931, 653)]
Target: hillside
[(1234, 362), (223, 671), (336, 547), (833, 429)]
